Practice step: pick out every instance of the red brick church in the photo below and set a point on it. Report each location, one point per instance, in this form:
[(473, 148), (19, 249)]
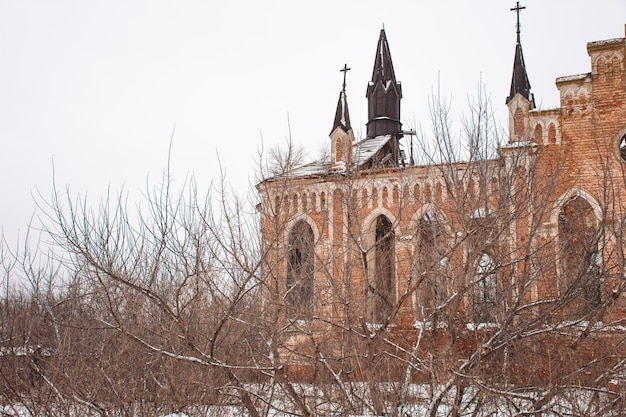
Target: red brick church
[(510, 250)]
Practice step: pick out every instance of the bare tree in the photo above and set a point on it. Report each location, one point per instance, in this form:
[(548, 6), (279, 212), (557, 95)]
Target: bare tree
[(459, 300), (461, 286)]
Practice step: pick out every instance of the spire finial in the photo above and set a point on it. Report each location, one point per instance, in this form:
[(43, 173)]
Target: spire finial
[(519, 81), (345, 70), (383, 94), (342, 117), (518, 9)]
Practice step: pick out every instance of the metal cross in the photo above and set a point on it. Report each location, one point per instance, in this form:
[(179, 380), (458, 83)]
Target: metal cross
[(345, 69), (518, 9)]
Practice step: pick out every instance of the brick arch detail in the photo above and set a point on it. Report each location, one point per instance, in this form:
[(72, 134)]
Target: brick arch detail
[(432, 209), (369, 222), (605, 59), (567, 196), (295, 219), (557, 138), (600, 65), (582, 90)]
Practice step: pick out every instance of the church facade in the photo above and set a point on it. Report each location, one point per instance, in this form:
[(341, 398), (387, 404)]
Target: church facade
[(472, 255)]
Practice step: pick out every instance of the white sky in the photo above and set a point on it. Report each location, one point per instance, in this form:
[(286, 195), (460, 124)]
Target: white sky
[(95, 88)]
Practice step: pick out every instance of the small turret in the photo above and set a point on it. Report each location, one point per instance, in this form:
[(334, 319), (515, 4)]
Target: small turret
[(520, 100), (341, 135), (519, 80)]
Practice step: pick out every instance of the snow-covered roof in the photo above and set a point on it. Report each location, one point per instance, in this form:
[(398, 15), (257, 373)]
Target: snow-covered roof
[(570, 78), (310, 169), (519, 144), (361, 152), (606, 42), (364, 150)]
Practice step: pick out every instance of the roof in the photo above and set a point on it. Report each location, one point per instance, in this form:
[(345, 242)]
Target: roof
[(342, 116), (361, 152), (572, 78), (365, 149), (605, 43), (519, 80), (383, 67)]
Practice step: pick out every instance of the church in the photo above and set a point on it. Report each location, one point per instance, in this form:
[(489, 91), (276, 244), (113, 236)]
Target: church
[(476, 256)]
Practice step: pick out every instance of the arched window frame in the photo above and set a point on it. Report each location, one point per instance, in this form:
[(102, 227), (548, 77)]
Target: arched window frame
[(380, 299), (300, 270), (587, 277), (430, 263)]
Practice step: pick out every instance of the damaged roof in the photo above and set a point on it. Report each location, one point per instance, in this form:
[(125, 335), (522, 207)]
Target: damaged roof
[(362, 152)]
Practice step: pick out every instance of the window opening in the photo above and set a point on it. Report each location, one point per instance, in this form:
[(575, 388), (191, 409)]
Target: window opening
[(429, 265), (579, 257), (485, 291), (300, 271), (382, 287)]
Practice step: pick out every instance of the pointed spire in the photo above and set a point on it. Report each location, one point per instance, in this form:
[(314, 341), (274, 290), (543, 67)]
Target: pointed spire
[(383, 94), (342, 116), (519, 80), (383, 67), (341, 137)]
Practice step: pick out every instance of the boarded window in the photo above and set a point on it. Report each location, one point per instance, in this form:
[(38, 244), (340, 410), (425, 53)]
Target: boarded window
[(300, 270)]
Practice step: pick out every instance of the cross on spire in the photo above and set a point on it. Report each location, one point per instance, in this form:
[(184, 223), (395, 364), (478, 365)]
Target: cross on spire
[(518, 9), (345, 70), (519, 81), (342, 117)]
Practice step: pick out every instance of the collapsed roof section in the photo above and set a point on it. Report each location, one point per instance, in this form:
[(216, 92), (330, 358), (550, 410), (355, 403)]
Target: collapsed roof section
[(365, 154)]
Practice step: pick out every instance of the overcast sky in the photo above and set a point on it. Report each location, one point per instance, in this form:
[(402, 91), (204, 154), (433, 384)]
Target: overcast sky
[(93, 89)]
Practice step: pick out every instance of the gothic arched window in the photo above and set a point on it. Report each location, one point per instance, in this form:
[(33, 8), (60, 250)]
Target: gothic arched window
[(485, 289), (429, 262), (300, 270), (382, 285), (579, 264)]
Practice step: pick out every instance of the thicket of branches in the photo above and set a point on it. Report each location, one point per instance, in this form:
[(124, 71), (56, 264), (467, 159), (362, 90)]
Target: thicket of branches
[(184, 306)]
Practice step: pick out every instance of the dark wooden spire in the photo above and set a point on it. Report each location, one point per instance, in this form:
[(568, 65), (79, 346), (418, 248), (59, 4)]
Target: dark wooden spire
[(342, 116), (383, 66), (383, 94), (519, 80)]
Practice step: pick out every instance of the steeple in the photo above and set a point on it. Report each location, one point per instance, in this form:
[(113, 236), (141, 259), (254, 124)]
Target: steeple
[(519, 81), (383, 94), (341, 136), (342, 116)]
